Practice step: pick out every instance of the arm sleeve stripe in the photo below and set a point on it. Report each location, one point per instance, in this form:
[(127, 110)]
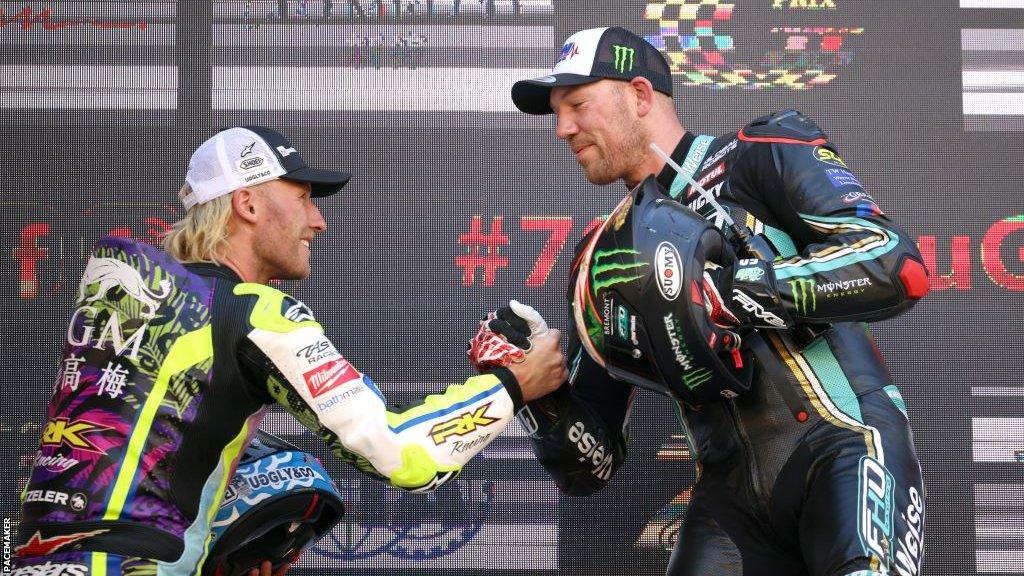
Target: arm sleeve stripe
[(780, 140), (880, 241), (373, 388), (442, 412)]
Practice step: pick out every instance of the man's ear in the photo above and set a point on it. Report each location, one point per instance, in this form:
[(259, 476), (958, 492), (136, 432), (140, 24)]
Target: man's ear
[(244, 202), (643, 90)]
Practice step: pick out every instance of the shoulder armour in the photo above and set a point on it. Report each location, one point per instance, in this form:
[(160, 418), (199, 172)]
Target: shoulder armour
[(274, 310), (786, 127)]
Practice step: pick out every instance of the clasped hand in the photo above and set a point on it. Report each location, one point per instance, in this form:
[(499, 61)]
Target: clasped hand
[(517, 337)]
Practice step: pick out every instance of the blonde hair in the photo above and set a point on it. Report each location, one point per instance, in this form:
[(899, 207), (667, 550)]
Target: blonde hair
[(202, 234)]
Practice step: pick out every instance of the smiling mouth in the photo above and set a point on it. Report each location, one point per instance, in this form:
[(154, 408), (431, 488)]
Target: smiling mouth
[(305, 243)]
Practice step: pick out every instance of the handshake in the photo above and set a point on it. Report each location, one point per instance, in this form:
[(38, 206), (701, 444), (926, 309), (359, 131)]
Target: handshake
[(517, 338)]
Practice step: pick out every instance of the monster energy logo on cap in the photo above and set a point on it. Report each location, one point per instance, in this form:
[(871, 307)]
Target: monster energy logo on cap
[(623, 58), (804, 296)]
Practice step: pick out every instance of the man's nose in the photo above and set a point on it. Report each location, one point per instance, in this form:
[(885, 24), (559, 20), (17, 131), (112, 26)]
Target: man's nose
[(565, 127), (317, 221)]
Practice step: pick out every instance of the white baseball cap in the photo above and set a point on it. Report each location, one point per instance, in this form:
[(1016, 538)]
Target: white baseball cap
[(244, 156)]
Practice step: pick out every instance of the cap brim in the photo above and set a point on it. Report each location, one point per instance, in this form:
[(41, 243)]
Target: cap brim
[(533, 96), (321, 182)]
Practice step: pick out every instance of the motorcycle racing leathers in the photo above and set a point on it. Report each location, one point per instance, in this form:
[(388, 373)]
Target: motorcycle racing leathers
[(167, 372), (826, 481)]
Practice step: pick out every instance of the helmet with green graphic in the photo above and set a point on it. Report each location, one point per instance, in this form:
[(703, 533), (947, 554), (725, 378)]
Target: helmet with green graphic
[(639, 302)]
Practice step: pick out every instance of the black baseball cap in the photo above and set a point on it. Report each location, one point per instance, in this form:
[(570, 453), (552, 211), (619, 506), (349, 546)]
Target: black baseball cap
[(590, 55)]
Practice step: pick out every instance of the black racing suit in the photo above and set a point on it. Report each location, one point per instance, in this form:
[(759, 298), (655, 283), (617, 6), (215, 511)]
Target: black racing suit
[(838, 493), (167, 372)]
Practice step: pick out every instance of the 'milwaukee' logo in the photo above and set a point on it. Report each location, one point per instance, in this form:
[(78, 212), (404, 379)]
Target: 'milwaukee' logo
[(707, 47)]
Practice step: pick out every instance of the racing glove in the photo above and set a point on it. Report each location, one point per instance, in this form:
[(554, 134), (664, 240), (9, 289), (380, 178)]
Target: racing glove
[(504, 336), (753, 298)]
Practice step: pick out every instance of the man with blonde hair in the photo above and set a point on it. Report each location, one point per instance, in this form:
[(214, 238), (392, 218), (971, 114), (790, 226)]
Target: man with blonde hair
[(173, 356), (200, 235)]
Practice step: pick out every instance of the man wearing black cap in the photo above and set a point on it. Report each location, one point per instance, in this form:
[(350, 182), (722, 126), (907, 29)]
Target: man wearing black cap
[(172, 358), (812, 470)]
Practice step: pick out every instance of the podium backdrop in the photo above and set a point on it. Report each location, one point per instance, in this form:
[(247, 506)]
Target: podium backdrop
[(459, 203)]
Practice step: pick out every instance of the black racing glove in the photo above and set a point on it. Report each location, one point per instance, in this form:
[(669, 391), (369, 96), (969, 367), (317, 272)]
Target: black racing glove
[(754, 295)]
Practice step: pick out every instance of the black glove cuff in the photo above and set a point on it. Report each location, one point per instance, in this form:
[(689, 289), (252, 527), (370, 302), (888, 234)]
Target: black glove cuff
[(541, 415), (508, 379), (755, 294)]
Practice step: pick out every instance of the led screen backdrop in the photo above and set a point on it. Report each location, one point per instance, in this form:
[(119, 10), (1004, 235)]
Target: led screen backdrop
[(460, 203)]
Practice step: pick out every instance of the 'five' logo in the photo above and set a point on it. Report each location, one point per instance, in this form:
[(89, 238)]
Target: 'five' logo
[(462, 424)]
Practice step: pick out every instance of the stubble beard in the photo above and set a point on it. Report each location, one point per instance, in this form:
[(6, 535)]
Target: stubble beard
[(298, 266), (627, 153), (601, 171), (282, 263)]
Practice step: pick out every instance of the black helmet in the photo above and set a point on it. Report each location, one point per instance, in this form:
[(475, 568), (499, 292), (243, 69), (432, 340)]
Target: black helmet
[(639, 306)]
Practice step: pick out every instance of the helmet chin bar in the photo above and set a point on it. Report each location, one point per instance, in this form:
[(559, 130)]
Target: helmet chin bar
[(581, 293)]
